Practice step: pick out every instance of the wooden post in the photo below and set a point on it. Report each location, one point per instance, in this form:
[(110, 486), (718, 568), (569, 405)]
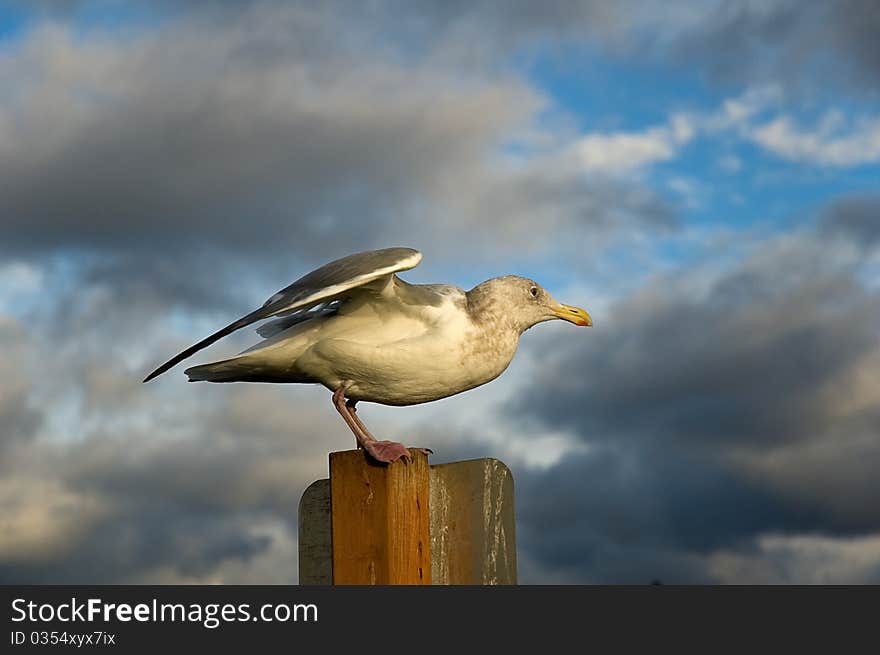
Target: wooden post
[(315, 561), (408, 523), (380, 521), (473, 529)]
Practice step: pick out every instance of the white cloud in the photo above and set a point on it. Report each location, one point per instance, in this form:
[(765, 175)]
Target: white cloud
[(623, 152), (801, 559), (735, 113), (41, 518), (833, 141), (277, 563), (829, 143)]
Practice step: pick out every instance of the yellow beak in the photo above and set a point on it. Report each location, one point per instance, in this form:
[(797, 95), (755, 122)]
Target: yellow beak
[(574, 315)]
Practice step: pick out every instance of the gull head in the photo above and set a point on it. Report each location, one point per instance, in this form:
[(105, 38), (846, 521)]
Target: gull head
[(521, 303)]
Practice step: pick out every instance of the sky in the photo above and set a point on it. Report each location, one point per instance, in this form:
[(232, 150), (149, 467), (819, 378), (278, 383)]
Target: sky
[(701, 176)]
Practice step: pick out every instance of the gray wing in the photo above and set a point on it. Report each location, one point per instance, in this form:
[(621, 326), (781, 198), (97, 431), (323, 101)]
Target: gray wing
[(288, 320), (320, 286)]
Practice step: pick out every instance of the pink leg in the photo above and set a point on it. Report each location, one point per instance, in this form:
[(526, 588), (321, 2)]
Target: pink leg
[(350, 404), (351, 407), (382, 451), (352, 410)]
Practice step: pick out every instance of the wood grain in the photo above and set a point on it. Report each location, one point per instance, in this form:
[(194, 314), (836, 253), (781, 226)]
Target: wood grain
[(315, 563), (473, 524), (379, 520)]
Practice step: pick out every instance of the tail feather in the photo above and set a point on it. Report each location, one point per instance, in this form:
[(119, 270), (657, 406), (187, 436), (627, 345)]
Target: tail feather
[(227, 370), (244, 369)]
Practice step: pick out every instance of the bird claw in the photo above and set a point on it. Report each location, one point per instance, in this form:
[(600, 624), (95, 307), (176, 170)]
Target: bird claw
[(387, 452)]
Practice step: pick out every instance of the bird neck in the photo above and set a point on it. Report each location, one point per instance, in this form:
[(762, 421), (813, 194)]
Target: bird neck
[(488, 310)]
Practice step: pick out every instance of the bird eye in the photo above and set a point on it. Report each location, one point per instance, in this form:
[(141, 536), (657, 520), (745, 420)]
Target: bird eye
[(534, 292)]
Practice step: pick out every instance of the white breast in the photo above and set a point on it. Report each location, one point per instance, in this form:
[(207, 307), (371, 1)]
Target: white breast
[(404, 358)]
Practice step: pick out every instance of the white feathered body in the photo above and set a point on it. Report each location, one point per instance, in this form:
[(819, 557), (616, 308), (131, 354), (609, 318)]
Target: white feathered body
[(386, 345)]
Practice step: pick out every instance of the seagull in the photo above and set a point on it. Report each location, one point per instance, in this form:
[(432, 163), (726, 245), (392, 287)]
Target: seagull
[(358, 329)]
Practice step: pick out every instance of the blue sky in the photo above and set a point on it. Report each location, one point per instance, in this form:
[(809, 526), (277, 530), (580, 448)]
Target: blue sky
[(735, 181), (702, 177)]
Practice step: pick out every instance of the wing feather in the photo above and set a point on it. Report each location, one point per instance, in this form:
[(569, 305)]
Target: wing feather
[(278, 325), (321, 285)]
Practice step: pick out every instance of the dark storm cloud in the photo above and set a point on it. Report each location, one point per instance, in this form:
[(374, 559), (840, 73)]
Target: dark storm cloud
[(746, 361), (289, 125), (632, 515), (794, 43), (195, 543), (856, 219), (859, 24), (287, 131), (126, 504), (780, 40), (205, 134), (651, 498), (124, 482), (711, 410), (19, 418)]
